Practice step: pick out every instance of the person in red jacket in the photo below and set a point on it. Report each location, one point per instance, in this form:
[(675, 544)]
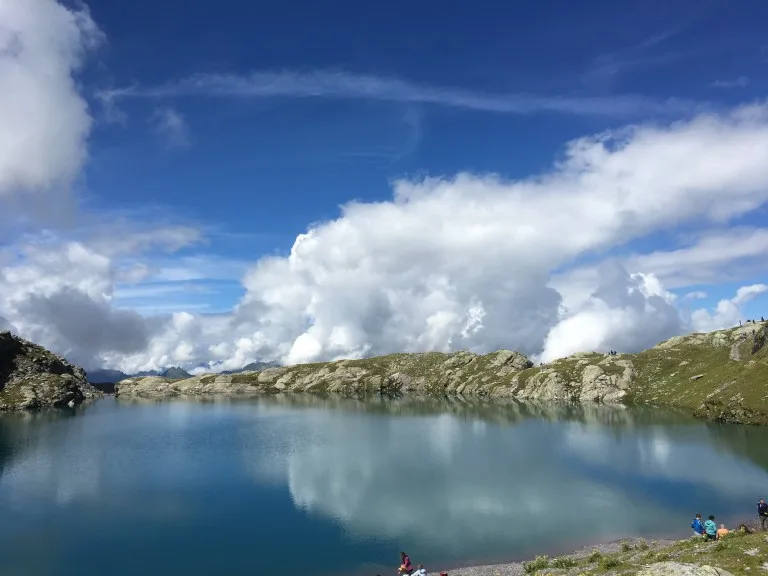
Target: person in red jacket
[(405, 564)]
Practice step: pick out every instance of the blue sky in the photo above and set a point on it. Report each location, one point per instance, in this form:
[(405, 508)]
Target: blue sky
[(250, 122), (266, 167)]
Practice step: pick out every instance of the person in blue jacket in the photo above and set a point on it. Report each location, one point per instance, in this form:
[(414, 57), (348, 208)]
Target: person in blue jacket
[(698, 526)]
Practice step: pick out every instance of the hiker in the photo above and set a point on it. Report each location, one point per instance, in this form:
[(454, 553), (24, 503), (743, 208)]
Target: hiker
[(405, 564), (762, 513), (420, 571), (698, 526), (710, 528), (722, 531)]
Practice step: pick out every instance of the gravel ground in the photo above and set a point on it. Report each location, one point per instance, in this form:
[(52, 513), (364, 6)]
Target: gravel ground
[(516, 568)]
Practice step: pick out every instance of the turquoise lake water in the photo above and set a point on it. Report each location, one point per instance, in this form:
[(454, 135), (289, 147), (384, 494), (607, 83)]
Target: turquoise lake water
[(309, 486)]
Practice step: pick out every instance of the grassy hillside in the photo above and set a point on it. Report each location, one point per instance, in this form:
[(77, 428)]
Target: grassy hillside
[(721, 375), (738, 553)]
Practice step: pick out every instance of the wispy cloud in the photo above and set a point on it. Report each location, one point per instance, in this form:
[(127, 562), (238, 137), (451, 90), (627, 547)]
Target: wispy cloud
[(172, 126), (606, 67), (344, 85), (166, 308), (739, 82), (714, 257), (155, 289), (412, 122), (697, 295)]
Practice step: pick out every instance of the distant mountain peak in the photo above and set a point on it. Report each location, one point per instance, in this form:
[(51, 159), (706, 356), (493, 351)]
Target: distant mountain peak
[(175, 373)]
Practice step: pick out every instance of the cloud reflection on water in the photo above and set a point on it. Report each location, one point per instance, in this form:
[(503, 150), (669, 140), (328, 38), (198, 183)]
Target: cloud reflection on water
[(443, 478)]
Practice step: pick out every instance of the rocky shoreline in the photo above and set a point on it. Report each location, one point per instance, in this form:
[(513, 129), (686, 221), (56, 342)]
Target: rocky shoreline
[(649, 557), (518, 568)]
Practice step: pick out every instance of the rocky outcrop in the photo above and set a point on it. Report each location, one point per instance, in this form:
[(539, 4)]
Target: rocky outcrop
[(759, 339), (32, 377), (159, 387), (502, 374)]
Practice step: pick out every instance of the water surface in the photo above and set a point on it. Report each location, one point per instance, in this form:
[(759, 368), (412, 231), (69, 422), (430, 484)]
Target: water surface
[(300, 485)]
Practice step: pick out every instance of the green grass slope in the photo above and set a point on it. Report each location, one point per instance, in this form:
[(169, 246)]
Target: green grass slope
[(738, 553), (721, 375)]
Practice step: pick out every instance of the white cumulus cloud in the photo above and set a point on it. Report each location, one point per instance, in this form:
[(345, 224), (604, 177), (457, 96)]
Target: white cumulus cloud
[(412, 273), (625, 312), (59, 293), (44, 119)]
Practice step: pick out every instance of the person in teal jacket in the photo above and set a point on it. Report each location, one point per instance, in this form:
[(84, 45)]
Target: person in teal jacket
[(710, 528)]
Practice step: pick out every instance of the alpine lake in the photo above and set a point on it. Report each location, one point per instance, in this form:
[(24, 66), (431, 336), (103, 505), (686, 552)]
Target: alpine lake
[(309, 485)]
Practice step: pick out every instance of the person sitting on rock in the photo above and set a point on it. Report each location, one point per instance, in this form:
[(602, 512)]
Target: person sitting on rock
[(710, 528), (405, 564), (420, 571), (762, 513), (698, 526), (722, 531)]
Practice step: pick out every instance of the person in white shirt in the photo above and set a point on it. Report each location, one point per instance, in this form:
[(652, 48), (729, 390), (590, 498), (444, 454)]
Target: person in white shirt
[(420, 571)]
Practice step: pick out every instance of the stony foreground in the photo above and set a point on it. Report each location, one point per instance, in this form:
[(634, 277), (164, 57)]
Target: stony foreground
[(721, 375), (738, 553), (32, 377)]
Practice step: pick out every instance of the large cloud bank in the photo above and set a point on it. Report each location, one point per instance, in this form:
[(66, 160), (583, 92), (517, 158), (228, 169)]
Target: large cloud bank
[(464, 262), (460, 262)]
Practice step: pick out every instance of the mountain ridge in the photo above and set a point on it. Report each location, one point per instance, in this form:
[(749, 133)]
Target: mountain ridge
[(720, 375), (110, 376)]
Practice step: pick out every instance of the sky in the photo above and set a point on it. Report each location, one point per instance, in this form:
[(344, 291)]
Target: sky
[(199, 184)]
